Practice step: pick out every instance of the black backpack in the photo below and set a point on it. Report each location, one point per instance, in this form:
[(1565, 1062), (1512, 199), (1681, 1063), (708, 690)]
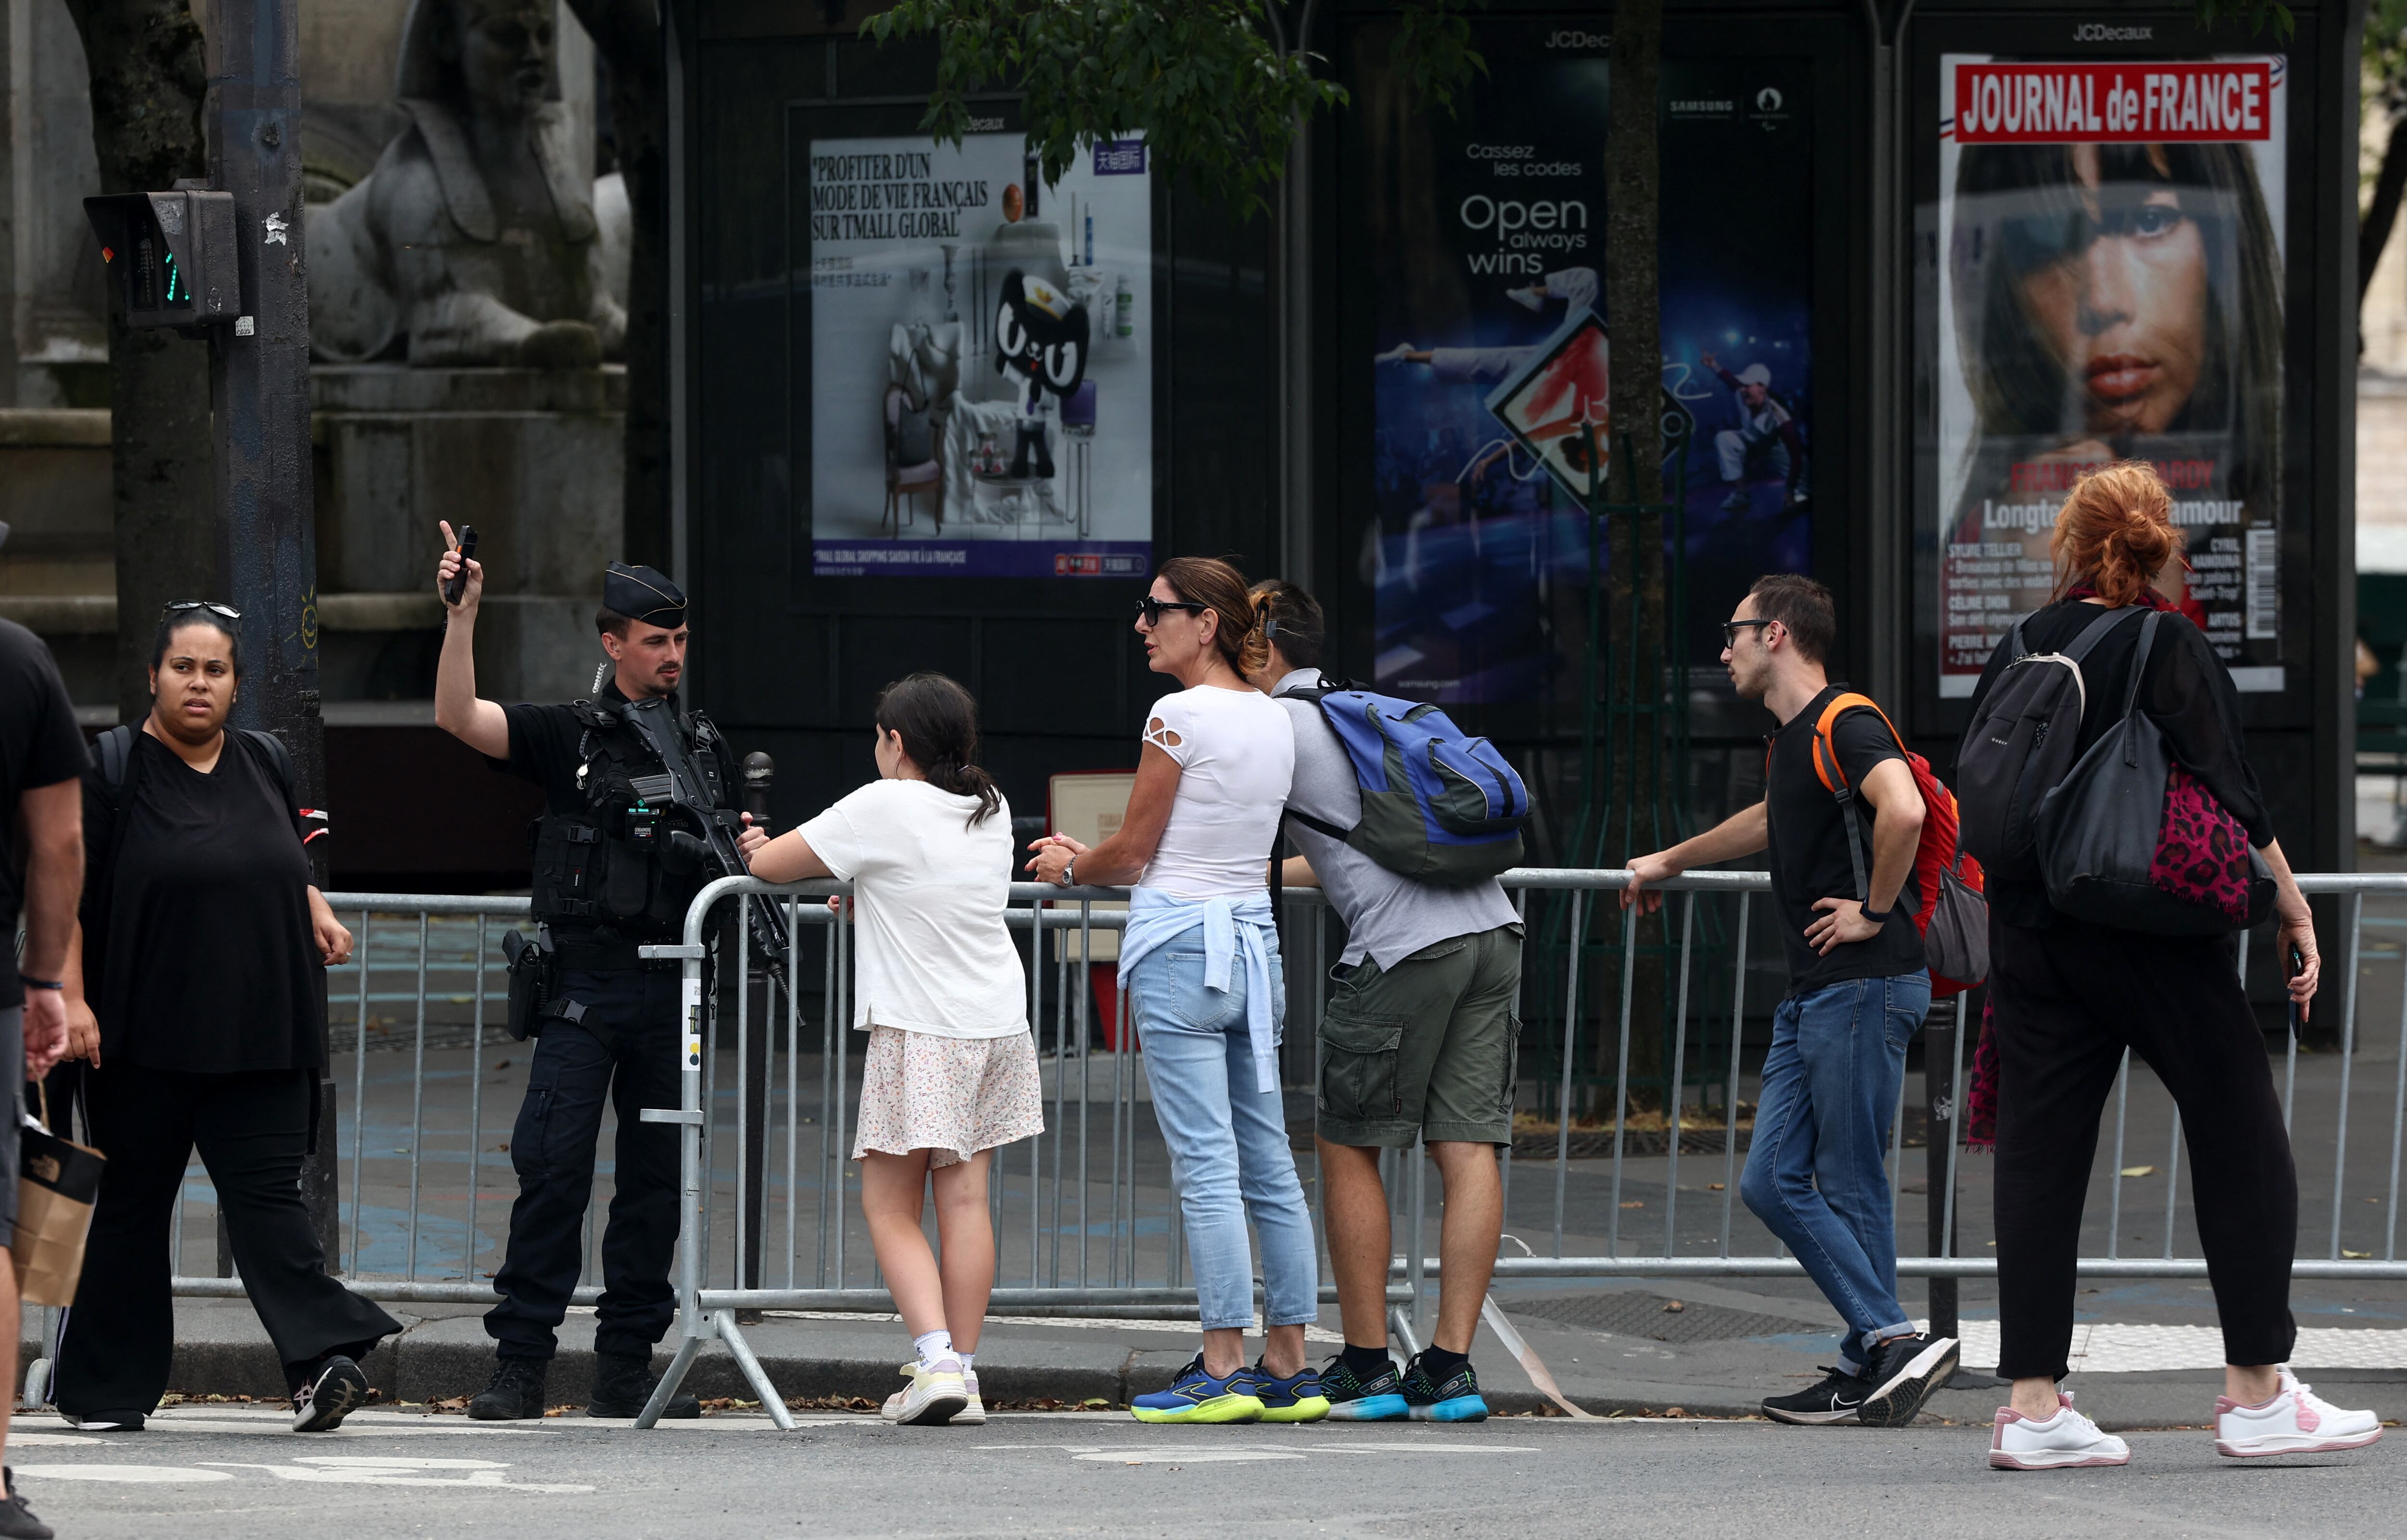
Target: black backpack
[(2018, 746)]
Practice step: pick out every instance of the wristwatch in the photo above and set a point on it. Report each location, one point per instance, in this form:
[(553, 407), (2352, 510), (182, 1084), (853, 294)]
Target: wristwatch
[(1070, 873), (1880, 917)]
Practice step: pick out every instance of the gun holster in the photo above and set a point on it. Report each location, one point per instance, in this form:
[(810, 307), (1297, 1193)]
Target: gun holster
[(536, 995)]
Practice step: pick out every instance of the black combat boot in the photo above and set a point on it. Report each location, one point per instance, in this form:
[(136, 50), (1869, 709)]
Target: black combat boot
[(623, 1384), (517, 1391)]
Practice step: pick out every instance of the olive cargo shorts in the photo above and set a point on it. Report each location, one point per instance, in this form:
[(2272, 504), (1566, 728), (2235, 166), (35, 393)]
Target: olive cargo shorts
[(1427, 1047)]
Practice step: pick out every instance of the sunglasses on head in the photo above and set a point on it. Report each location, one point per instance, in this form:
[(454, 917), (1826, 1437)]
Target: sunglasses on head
[(181, 605), (1151, 607)]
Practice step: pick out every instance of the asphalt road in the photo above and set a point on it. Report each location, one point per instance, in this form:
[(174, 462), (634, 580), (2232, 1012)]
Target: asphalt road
[(221, 1470)]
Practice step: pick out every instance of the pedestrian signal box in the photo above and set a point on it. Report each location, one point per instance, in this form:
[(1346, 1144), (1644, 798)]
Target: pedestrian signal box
[(171, 255)]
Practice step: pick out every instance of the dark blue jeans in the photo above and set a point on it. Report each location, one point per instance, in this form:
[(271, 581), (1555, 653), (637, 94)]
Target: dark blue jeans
[(626, 1050), (1816, 1172)]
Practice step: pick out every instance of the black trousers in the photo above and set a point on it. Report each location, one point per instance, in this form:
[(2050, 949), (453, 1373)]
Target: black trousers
[(624, 1051), (2068, 1001), (252, 1129)]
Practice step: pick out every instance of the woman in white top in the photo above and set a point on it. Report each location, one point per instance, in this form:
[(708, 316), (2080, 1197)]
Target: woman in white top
[(1201, 961), (937, 984)]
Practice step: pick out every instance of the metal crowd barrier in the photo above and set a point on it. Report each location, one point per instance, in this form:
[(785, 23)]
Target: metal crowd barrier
[(1085, 1220)]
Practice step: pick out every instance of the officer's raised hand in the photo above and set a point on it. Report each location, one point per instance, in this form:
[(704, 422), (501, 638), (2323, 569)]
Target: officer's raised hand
[(449, 568)]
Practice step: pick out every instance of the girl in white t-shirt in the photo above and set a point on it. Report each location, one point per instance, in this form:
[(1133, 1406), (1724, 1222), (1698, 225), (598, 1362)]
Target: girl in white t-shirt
[(938, 986)]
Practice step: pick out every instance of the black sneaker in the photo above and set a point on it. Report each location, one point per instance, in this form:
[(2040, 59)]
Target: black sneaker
[(338, 1390), (623, 1383), (16, 1521), (1353, 1398), (1458, 1400), (1837, 1399), (105, 1422), (516, 1392), (1903, 1372)]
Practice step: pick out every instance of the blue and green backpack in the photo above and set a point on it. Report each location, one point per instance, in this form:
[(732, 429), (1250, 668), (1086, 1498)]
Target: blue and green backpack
[(1438, 805)]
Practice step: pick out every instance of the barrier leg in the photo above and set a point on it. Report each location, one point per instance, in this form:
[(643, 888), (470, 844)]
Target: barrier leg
[(771, 1402), (667, 1388)]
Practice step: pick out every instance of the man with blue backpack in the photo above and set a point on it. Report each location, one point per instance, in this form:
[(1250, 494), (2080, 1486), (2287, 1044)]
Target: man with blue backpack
[(1405, 822), (1858, 986)]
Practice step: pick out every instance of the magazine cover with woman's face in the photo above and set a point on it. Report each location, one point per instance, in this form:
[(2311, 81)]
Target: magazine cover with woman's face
[(2109, 289)]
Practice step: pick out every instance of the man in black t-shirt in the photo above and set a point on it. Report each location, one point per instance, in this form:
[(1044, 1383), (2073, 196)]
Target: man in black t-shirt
[(42, 758), (608, 1026), (1858, 988)]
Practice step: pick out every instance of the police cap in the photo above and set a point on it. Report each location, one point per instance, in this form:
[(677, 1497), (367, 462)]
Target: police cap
[(643, 596)]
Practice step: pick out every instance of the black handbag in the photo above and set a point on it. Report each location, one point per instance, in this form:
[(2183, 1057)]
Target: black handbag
[(2131, 839)]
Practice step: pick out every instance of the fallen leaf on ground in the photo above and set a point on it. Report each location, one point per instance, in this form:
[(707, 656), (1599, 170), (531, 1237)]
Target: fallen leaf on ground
[(2139, 1171), (1634, 1204), (1712, 1187), (1673, 1308)]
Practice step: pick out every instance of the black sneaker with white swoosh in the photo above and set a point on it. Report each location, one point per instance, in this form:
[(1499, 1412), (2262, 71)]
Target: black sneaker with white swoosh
[(1903, 1372), (1837, 1399)]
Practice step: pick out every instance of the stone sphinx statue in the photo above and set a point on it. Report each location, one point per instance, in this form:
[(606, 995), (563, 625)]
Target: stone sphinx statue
[(481, 236)]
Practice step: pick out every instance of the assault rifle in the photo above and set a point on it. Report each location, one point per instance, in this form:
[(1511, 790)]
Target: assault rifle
[(684, 789)]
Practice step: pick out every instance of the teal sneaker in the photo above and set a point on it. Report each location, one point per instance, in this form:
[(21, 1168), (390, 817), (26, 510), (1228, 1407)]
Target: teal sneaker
[(1351, 1399), (1295, 1399), (1456, 1401), (1195, 1396)]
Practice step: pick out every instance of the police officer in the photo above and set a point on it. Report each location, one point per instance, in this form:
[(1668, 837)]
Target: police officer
[(608, 877)]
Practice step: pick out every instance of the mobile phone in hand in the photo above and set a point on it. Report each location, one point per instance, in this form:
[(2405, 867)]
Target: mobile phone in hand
[(468, 550)]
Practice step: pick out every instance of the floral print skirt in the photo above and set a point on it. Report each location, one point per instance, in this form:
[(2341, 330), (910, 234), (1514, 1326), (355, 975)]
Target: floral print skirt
[(953, 1096)]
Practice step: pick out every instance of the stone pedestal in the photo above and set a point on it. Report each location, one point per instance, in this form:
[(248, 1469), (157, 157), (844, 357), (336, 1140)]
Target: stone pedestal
[(532, 458)]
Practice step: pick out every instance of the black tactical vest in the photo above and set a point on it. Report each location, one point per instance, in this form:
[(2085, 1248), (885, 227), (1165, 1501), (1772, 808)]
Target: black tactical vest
[(611, 873)]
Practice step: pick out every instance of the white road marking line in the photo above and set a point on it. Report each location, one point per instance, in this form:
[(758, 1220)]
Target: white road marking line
[(139, 1474), (1184, 1457), (20, 1436), (487, 1478), (399, 1463)]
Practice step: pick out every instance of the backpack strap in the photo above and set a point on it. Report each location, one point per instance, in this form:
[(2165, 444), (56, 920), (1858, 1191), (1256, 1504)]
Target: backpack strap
[(2095, 632), (1833, 776), (115, 747)]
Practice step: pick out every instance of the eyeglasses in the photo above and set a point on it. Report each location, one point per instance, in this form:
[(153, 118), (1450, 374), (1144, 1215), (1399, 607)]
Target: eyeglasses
[(1151, 607), (1732, 628), (181, 605)]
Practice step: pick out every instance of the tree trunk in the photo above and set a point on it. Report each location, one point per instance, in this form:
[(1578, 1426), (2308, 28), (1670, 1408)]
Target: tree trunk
[(148, 86), (627, 32), (2375, 233), (1635, 763)]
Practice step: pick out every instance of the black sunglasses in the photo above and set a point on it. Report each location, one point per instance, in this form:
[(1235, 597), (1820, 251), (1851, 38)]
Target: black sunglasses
[(1151, 607), (1732, 628), (180, 605)]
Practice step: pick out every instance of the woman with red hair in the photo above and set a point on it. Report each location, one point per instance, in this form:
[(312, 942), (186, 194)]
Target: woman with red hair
[(2071, 995)]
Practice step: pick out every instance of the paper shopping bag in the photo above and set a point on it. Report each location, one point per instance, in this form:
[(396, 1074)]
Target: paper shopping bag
[(58, 1182)]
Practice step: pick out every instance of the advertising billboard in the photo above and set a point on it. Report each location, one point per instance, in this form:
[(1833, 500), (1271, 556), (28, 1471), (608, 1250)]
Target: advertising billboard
[(2109, 287), (1483, 237), (981, 360)]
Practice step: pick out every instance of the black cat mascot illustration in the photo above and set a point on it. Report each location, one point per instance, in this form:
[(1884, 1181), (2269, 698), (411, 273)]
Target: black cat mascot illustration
[(1041, 341)]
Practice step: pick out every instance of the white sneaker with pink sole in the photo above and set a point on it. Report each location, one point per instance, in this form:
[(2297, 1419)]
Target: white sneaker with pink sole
[(2296, 1421), (2063, 1442)]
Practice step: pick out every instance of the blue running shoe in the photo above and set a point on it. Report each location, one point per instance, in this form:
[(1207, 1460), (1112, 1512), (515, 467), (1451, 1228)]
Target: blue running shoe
[(1352, 1399), (1456, 1401), (1295, 1399), (1195, 1396)]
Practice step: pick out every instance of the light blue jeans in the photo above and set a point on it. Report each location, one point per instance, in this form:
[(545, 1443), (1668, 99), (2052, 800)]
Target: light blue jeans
[(1229, 1153), (1816, 1172)]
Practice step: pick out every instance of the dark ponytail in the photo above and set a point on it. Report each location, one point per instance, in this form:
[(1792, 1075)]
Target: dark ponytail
[(938, 723)]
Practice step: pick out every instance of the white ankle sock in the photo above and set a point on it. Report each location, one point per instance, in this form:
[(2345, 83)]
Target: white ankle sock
[(934, 1346), (967, 1360)]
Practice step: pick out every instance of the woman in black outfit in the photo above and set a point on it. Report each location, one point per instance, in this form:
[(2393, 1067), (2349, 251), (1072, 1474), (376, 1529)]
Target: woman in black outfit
[(202, 937), (2069, 997)]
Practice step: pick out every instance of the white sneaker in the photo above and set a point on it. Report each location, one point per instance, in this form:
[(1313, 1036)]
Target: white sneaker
[(935, 1394), (2067, 1439), (974, 1410), (2296, 1421)]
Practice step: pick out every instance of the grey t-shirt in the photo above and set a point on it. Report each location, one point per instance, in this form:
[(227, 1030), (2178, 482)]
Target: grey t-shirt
[(1388, 916)]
